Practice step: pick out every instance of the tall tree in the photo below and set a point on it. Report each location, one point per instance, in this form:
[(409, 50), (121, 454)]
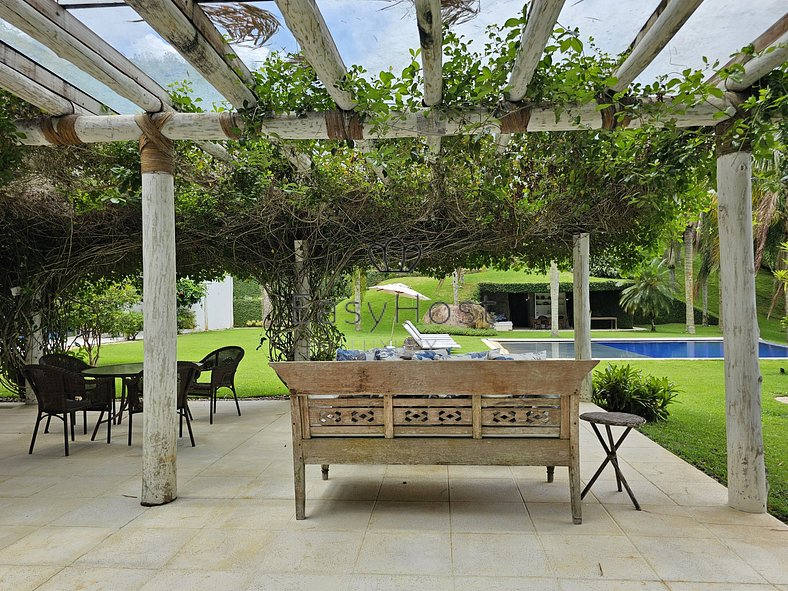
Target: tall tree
[(689, 292), (650, 294)]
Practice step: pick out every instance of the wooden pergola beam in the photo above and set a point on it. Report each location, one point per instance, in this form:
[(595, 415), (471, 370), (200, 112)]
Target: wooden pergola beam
[(43, 88), (50, 24), (186, 27), (216, 126), (542, 17), (767, 38), (306, 23), (653, 37)]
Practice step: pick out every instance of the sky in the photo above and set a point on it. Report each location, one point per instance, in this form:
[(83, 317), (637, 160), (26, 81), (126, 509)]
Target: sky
[(376, 34)]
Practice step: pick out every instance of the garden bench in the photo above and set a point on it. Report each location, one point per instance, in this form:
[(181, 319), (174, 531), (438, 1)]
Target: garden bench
[(504, 413)]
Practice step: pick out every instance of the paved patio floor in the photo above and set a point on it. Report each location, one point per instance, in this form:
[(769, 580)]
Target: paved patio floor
[(76, 522)]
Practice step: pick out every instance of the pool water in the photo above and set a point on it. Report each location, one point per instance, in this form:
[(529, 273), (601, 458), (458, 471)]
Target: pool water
[(638, 348)]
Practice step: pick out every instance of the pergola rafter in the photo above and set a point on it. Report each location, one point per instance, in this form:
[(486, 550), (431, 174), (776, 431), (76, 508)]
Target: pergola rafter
[(52, 26), (660, 28), (305, 21), (769, 37), (429, 21), (187, 28), (42, 88), (542, 16)]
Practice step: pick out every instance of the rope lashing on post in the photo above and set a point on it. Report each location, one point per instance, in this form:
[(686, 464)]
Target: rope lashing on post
[(516, 121), (344, 125), (229, 126), (65, 134), (155, 147)]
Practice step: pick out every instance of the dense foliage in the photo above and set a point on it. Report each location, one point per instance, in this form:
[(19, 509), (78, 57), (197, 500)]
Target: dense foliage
[(625, 389)]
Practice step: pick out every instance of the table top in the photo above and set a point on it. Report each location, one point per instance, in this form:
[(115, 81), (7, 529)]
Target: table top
[(119, 370)]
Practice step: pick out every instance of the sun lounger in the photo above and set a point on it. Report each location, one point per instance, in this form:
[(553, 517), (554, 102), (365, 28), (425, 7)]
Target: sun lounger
[(430, 341)]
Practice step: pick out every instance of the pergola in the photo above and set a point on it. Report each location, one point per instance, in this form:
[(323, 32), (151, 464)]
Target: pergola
[(78, 118)]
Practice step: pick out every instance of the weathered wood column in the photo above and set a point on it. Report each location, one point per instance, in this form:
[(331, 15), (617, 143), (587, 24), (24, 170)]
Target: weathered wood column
[(553, 299), (159, 435), (34, 349), (582, 305), (747, 488)]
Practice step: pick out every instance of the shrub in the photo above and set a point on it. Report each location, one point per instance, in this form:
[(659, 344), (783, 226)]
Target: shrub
[(186, 319), (624, 389), (129, 324), (253, 323)]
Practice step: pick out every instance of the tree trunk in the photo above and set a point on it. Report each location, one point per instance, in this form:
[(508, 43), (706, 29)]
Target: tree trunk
[(689, 291), (704, 294), (34, 348)]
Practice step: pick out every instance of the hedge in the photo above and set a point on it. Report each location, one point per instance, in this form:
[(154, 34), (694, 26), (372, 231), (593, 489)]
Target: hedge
[(544, 286), (465, 331), (246, 302)]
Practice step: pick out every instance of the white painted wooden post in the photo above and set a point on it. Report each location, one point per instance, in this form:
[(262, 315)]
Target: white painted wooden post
[(689, 280), (554, 299), (582, 306), (34, 349), (747, 487), (159, 426), (301, 335)]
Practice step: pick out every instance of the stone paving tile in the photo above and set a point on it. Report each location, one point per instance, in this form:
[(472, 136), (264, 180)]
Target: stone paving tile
[(410, 516), (115, 512), (504, 584), (147, 548), (53, 546), (610, 585), (98, 579), (197, 580), (556, 518), (414, 489), (356, 488), (399, 583), (35, 512), (461, 472), (472, 517), (259, 514), (658, 520), (405, 553), (24, 578), (330, 515), (508, 555), (692, 559), (313, 552), (484, 490), (182, 513), (221, 550), (683, 586), (766, 552), (297, 582), (593, 556)]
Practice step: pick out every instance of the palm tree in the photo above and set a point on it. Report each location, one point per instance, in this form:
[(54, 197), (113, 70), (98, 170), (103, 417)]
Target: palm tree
[(651, 293)]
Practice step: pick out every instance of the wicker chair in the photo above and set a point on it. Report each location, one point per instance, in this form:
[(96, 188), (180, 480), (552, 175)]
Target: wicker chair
[(99, 392), (51, 386), (222, 364), (187, 374)]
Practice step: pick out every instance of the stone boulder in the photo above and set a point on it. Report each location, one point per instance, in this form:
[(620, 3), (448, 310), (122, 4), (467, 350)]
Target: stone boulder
[(466, 315)]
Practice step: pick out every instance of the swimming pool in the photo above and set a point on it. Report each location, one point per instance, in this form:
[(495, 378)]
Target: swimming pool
[(634, 348)]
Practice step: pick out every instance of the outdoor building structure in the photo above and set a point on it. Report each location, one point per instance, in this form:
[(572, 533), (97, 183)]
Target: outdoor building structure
[(77, 119)]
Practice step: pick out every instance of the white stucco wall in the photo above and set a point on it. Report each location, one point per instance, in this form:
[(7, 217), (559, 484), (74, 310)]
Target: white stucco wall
[(215, 311)]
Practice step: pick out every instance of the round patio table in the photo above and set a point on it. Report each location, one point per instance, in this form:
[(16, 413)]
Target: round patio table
[(124, 371)]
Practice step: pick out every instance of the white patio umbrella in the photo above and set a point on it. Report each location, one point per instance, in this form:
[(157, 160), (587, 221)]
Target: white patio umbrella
[(398, 289)]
